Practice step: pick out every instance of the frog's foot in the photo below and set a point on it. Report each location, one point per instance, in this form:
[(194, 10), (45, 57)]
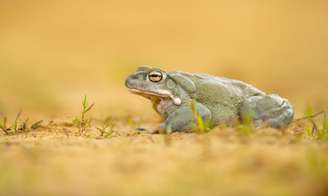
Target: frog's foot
[(271, 109), (182, 119)]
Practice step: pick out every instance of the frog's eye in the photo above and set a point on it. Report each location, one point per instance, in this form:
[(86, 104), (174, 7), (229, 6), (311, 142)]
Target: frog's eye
[(155, 76)]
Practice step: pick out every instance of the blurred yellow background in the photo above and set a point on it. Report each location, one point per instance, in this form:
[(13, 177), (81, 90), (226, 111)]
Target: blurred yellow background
[(53, 52)]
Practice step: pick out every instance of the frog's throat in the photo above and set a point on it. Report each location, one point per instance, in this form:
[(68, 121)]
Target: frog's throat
[(160, 93)]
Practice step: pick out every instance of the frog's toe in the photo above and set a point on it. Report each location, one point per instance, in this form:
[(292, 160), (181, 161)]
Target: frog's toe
[(179, 126), (162, 126)]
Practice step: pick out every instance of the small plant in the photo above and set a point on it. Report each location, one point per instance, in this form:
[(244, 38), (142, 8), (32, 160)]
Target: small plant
[(130, 120), (18, 125), (201, 126), (246, 127), (82, 122), (309, 115), (168, 130), (106, 130), (37, 124), (315, 131), (3, 125), (322, 133)]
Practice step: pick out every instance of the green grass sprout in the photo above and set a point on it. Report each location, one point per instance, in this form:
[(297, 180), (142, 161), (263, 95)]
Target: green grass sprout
[(83, 122), (246, 127), (17, 126), (201, 126), (3, 125), (37, 124), (315, 131), (322, 133), (106, 130)]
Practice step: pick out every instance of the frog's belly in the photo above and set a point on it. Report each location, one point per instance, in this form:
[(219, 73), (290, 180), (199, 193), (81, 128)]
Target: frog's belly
[(222, 112)]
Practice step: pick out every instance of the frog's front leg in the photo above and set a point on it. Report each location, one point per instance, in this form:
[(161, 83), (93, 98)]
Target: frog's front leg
[(182, 118)]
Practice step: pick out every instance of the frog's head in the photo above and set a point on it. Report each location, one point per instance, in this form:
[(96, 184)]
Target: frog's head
[(156, 83)]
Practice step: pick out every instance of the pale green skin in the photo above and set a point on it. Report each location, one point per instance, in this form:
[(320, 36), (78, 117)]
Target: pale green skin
[(218, 100)]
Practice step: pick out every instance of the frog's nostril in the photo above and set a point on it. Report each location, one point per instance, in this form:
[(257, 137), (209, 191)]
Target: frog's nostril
[(133, 76), (130, 81)]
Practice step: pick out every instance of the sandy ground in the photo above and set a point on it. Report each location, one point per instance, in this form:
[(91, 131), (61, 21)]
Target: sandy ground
[(55, 160)]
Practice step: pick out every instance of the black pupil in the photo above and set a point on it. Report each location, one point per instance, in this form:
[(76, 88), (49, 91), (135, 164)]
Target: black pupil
[(155, 77)]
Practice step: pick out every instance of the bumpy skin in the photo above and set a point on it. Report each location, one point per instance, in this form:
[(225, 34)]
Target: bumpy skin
[(218, 100)]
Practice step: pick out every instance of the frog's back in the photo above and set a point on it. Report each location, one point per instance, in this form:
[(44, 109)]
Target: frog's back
[(218, 87), (221, 95)]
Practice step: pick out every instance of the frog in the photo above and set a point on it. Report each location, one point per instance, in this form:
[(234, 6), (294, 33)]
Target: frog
[(179, 97)]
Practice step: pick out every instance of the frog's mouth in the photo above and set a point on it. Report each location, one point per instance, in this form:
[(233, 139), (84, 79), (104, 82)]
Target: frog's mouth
[(158, 93)]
